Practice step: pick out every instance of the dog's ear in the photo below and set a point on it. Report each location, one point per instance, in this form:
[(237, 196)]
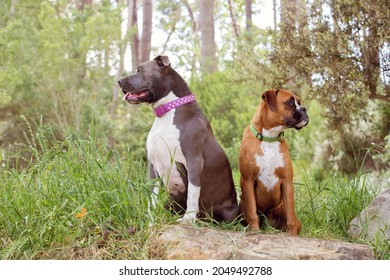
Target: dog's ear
[(270, 97), (162, 60)]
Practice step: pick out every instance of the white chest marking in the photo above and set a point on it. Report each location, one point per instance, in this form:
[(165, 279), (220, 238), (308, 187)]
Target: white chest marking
[(164, 150), (271, 159)]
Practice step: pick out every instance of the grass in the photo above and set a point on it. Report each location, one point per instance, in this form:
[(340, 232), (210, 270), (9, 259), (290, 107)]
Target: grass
[(329, 206), (79, 200), (39, 204)]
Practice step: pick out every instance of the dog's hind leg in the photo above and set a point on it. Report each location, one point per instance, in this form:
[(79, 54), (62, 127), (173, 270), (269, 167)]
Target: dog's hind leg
[(193, 192), (229, 213)]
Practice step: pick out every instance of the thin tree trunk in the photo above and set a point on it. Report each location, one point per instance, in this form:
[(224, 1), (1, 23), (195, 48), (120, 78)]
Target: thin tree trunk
[(146, 40), (82, 3), (248, 25), (208, 60), (122, 49), (134, 39), (165, 45), (248, 15), (12, 9), (275, 14), (288, 25), (303, 33), (236, 28), (370, 59), (195, 32), (338, 48), (338, 44), (191, 14), (118, 75)]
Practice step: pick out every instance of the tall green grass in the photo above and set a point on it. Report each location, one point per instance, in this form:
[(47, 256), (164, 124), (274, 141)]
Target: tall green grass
[(41, 206), (327, 207)]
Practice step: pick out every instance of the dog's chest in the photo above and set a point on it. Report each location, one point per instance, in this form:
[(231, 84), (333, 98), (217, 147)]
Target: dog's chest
[(164, 150), (268, 162)]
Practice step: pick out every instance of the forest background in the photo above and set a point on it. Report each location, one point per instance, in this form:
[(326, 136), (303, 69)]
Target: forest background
[(69, 145)]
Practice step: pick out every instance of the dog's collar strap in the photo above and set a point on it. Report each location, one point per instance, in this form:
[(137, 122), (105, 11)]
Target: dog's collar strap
[(165, 108), (265, 138)]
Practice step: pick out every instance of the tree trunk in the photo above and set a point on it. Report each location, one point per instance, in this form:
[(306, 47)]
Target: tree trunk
[(248, 15), (122, 49), (248, 25), (337, 34), (146, 30), (275, 13), (191, 14), (208, 60), (82, 3), (303, 35), (236, 28), (370, 58), (12, 9), (195, 31), (134, 39), (288, 34), (118, 75)]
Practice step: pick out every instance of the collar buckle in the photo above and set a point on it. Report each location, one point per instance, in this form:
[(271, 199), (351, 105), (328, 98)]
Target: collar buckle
[(261, 137), (159, 111)]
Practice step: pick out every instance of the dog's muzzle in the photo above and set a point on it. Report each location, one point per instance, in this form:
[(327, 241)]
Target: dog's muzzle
[(134, 89), (300, 119)]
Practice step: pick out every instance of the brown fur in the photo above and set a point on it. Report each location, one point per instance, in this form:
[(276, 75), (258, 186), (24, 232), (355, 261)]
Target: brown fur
[(277, 204)]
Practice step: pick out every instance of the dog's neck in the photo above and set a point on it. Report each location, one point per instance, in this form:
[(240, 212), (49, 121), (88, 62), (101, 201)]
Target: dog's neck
[(180, 87), (178, 90), (260, 118), (166, 99)]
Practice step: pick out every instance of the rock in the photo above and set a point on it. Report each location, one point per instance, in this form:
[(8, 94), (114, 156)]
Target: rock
[(374, 221), (194, 243)]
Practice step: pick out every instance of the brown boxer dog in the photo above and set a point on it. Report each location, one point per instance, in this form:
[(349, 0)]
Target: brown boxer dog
[(265, 163)]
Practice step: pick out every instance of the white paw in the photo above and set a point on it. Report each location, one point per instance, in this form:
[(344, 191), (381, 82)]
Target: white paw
[(188, 218)]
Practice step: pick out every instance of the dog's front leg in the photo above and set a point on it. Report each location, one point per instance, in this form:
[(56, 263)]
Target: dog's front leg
[(293, 223), (249, 198)]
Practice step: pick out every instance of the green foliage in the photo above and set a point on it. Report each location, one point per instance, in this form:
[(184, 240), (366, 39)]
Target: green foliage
[(225, 104), (4, 98), (326, 208), (338, 60), (333, 203), (40, 204), (55, 60), (228, 106)]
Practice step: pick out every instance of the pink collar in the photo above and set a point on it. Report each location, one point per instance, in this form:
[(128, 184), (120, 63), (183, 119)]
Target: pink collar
[(165, 108)]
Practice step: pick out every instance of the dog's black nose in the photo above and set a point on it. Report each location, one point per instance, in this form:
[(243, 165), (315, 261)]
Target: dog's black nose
[(303, 109), (119, 82)]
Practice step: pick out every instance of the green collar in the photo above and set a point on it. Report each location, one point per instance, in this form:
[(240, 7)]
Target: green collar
[(265, 138)]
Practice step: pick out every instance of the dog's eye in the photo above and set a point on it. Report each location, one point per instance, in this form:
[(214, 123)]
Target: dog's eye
[(290, 103)]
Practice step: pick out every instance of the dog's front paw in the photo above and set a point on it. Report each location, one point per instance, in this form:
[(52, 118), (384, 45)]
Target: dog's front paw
[(188, 218), (294, 228)]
